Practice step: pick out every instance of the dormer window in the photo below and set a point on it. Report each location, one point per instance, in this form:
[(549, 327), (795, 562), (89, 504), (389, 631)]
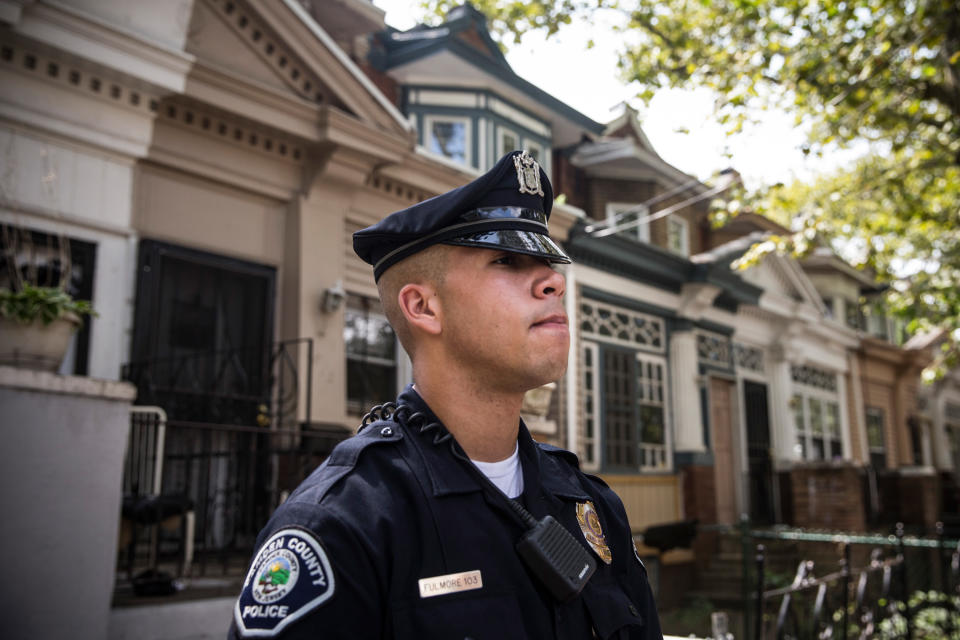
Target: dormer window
[(448, 136)]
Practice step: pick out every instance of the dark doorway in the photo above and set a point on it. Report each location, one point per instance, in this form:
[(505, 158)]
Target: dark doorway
[(760, 468), (202, 334)]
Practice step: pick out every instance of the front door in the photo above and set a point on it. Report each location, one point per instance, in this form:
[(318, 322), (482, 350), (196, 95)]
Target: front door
[(760, 467), (202, 334)]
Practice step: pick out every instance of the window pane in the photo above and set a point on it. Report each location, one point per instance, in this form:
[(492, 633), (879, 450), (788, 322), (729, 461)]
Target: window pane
[(449, 138), (797, 404), (368, 334), (833, 419), (875, 428), (817, 452), (509, 142), (816, 416), (651, 425), (676, 236)]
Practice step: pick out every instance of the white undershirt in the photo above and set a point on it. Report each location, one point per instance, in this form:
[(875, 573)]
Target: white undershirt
[(507, 474)]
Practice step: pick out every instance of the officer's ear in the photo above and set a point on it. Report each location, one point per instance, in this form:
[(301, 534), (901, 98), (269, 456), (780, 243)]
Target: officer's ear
[(421, 307)]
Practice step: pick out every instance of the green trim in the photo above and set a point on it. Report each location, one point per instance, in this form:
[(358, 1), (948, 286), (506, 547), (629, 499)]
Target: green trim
[(649, 264), (715, 327), (692, 458), (628, 303)]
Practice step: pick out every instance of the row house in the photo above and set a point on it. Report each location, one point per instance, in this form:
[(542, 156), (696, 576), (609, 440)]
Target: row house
[(207, 163)]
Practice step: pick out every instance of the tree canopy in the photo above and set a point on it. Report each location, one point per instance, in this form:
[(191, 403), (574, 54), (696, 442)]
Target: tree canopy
[(884, 72)]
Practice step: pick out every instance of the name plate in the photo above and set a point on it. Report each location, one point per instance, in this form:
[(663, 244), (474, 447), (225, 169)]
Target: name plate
[(451, 583)]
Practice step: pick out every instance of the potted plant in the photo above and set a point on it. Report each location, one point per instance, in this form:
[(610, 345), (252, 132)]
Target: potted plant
[(36, 324)]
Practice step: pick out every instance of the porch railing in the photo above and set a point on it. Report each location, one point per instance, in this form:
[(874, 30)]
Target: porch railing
[(234, 477), (254, 386)]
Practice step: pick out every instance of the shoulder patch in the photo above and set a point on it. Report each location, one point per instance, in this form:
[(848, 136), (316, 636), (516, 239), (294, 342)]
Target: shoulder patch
[(570, 457), (290, 576)]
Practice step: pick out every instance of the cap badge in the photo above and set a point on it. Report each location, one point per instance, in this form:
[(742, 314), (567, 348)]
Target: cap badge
[(590, 525), (528, 174)]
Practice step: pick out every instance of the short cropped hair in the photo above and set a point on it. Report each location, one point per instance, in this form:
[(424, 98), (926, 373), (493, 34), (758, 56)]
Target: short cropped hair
[(425, 267)]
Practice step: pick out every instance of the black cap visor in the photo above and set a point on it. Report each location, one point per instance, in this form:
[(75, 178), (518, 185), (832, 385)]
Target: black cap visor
[(528, 243)]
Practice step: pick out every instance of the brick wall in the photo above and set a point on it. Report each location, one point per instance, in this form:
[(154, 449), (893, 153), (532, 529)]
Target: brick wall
[(826, 497), (602, 191), (568, 180), (919, 500)]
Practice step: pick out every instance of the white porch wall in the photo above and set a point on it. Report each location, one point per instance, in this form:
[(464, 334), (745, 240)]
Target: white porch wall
[(66, 188)]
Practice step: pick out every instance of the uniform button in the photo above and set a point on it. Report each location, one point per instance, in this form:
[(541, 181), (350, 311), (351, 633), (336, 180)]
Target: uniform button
[(633, 610), (386, 432)]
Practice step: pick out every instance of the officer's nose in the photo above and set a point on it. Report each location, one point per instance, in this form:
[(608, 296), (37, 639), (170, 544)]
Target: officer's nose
[(549, 283)]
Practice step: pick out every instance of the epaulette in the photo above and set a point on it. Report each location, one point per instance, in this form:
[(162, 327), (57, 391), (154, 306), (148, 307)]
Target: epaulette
[(345, 455), (570, 457)]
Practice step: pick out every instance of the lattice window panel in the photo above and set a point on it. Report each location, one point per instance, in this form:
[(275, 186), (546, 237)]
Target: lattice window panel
[(623, 326), (713, 348), (814, 377), (749, 358)]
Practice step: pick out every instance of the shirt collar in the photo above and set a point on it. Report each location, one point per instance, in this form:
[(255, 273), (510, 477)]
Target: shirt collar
[(448, 475)]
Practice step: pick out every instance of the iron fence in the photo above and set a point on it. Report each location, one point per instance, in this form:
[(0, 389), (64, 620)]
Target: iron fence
[(850, 586)]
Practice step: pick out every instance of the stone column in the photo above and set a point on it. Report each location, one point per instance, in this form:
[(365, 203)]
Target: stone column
[(685, 389), (782, 430)]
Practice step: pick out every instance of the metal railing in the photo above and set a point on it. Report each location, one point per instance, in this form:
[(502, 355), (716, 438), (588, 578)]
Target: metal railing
[(254, 386), (877, 586), (234, 477)]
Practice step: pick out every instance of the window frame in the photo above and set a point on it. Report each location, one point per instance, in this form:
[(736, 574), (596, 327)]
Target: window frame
[(684, 249), (659, 452), (369, 309), (872, 448), (640, 232), (590, 447), (803, 429), (430, 119), (501, 148)]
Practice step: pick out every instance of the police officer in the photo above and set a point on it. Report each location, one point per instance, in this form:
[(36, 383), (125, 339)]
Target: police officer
[(443, 518)]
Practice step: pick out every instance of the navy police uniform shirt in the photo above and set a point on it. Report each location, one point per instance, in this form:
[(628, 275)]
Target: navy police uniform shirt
[(393, 537)]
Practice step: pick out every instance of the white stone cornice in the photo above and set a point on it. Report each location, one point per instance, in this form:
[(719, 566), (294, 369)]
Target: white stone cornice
[(81, 34), (253, 100), (696, 298)]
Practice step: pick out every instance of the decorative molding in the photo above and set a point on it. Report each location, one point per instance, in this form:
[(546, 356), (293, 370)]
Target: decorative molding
[(749, 358), (606, 322), (75, 76), (814, 377), (272, 50), (229, 128), (713, 349), (396, 189)]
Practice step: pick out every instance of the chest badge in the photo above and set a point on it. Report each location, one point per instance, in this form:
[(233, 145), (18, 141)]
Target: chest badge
[(592, 531)]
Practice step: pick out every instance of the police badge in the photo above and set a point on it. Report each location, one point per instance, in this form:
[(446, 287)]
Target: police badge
[(528, 174), (592, 531)]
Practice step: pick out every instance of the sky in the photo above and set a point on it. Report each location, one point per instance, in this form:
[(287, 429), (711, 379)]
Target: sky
[(586, 79)]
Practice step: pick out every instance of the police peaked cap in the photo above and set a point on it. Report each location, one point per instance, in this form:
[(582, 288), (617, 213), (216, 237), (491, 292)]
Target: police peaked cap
[(506, 208)]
